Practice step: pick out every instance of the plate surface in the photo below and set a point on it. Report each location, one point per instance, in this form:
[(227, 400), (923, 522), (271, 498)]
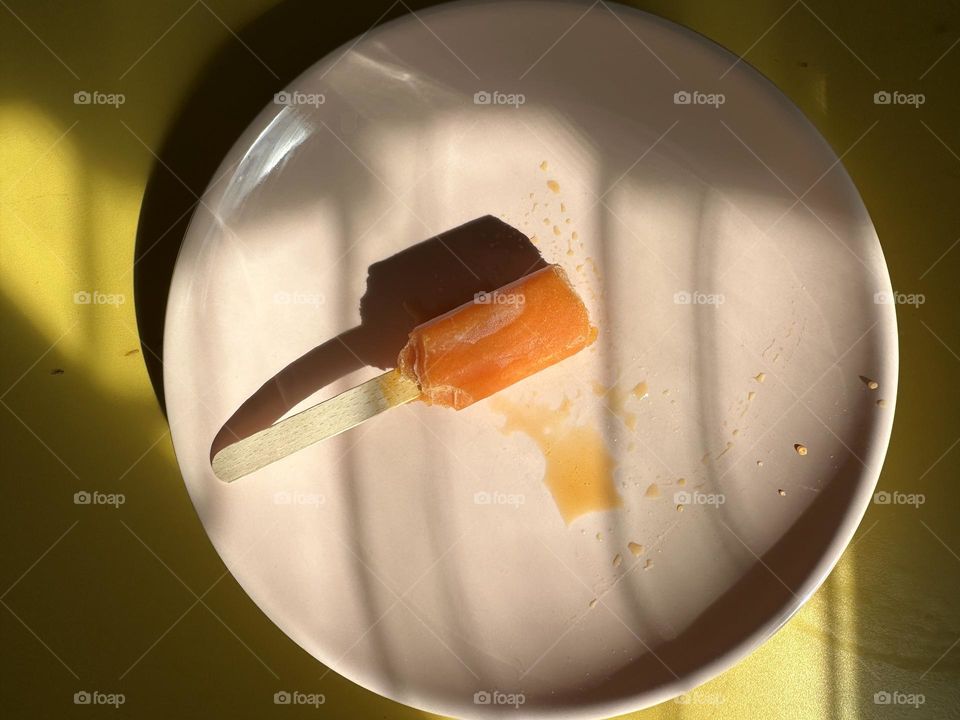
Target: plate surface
[(717, 238)]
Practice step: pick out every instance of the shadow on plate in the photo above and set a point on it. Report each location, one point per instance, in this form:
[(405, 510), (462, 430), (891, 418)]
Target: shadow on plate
[(237, 82)]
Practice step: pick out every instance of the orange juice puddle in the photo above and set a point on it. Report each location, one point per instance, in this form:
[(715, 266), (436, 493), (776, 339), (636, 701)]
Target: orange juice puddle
[(579, 468)]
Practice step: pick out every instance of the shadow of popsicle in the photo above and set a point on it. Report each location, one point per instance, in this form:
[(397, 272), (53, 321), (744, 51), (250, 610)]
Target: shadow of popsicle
[(404, 290)]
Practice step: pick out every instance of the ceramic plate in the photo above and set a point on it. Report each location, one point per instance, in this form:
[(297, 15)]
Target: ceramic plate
[(734, 412)]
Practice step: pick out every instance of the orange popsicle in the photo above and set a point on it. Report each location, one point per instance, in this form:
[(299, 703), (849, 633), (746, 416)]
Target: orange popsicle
[(498, 339), (453, 360)]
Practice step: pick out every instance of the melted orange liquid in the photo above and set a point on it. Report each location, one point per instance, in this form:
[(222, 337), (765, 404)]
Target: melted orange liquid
[(616, 399), (579, 468)]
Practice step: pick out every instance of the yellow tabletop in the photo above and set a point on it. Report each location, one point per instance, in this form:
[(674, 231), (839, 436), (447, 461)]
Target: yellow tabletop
[(134, 604)]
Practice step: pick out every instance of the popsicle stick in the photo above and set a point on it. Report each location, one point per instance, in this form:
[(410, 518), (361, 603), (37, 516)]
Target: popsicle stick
[(326, 419)]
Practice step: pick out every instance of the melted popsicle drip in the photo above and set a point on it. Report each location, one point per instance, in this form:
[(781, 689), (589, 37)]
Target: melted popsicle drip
[(578, 468)]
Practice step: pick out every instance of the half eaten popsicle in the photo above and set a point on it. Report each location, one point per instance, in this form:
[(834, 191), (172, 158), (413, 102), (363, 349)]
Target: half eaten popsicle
[(498, 339), (454, 360)]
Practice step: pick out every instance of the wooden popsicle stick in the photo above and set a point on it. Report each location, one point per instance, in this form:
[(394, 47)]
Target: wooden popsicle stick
[(326, 419)]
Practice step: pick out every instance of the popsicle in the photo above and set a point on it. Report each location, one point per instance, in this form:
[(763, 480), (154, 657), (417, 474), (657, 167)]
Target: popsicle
[(500, 338), (454, 360)]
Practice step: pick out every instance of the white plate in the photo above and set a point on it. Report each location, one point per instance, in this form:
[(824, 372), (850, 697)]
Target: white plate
[(376, 556)]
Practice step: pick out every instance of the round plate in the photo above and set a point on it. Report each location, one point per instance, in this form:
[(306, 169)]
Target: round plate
[(728, 262)]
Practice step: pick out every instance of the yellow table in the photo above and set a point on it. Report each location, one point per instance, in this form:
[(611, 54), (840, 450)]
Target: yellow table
[(134, 600)]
